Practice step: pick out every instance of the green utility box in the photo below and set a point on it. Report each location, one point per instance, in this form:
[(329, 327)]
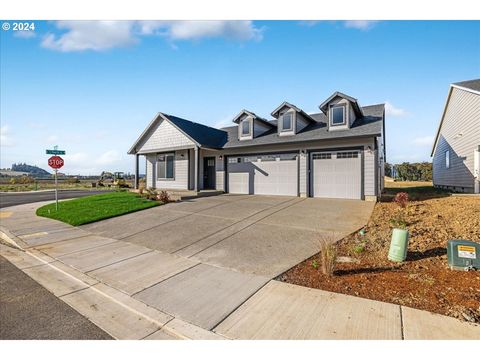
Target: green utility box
[(398, 245), (463, 255)]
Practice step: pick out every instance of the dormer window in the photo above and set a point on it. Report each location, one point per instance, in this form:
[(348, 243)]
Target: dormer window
[(337, 115), (287, 123), (246, 128)]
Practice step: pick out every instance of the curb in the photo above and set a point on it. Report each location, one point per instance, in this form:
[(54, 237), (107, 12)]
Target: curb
[(195, 331)]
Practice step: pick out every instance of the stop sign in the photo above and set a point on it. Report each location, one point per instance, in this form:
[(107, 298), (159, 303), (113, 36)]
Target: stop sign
[(55, 162)]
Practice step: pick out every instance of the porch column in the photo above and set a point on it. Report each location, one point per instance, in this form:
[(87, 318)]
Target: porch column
[(196, 168), (137, 180)]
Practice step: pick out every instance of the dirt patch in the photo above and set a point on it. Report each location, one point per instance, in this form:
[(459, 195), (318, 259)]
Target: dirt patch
[(424, 280)]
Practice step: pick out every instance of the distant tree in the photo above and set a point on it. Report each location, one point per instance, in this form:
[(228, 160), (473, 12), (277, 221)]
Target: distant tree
[(388, 169), (414, 171)]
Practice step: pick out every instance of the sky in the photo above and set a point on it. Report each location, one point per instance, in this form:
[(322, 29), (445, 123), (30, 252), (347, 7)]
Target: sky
[(91, 87)]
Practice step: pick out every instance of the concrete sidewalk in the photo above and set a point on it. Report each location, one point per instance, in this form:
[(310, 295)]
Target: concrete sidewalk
[(133, 292)]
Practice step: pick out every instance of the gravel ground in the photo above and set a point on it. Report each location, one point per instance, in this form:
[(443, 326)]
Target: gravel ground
[(424, 280)]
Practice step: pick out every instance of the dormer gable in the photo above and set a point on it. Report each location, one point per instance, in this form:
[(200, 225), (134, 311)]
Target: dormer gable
[(341, 111), (250, 125), (290, 119)]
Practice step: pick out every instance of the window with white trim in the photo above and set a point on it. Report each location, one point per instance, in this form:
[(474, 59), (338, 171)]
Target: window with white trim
[(246, 127), (447, 159), (287, 121), (337, 115), (166, 167)]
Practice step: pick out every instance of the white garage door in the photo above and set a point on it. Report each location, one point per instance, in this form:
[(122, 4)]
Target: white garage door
[(337, 174), (275, 174)]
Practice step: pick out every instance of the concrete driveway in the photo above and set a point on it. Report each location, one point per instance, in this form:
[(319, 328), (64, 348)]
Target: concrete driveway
[(261, 235)]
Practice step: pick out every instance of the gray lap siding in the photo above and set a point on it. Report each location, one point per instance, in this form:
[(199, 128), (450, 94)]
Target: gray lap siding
[(370, 165), (460, 135)]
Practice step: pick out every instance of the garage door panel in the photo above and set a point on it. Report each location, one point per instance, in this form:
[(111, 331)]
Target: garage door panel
[(337, 175), (275, 175), (239, 178)]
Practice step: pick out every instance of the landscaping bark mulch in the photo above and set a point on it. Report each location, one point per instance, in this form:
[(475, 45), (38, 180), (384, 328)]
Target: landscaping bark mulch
[(424, 281)]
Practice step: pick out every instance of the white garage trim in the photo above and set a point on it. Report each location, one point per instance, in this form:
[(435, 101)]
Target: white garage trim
[(337, 173), (263, 174)]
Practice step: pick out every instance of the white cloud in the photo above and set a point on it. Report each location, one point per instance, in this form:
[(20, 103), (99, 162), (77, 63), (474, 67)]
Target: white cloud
[(6, 139), (103, 35), (90, 35), (25, 34), (360, 24), (193, 30), (423, 141), (227, 121), (349, 24), (391, 110), (108, 158), (75, 159)]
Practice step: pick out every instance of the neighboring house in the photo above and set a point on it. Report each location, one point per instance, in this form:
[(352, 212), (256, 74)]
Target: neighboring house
[(337, 153), (456, 159)]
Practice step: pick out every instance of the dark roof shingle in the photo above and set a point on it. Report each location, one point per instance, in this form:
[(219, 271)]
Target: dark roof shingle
[(469, 84), (370, 124), (205, 135)]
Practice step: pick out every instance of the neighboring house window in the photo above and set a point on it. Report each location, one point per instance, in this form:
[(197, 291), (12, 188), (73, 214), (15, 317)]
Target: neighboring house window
[(447, 159), (337, 115), (287, 122), (166, 166), (246, 127)]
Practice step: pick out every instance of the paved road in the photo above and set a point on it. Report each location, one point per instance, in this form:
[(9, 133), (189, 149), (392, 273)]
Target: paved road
[(11, 199), (29, 311)]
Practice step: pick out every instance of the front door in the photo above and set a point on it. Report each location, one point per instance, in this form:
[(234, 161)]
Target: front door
[(209, 172)]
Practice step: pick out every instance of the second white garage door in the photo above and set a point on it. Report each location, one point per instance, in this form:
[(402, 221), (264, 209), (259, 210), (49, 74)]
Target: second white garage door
[(337, 174), (273, 174)]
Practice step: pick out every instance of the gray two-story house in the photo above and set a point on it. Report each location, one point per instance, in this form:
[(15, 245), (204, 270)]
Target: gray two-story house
[(456, 150), (338, 152)]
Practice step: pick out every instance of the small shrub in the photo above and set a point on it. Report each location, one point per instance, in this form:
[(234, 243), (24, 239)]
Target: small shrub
[(401, 199), (151, 194), (164, 197), (398, 222), (328, 253), (315, 264), (359, 248)]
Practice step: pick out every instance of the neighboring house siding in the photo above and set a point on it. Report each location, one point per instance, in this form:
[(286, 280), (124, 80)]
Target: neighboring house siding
[(462, 116), (164, 135)]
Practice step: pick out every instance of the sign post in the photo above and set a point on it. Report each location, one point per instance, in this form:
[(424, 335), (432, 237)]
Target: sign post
[(56, 162)]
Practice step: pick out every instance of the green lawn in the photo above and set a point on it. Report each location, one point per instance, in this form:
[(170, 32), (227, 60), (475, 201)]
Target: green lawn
[(96, 207)]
